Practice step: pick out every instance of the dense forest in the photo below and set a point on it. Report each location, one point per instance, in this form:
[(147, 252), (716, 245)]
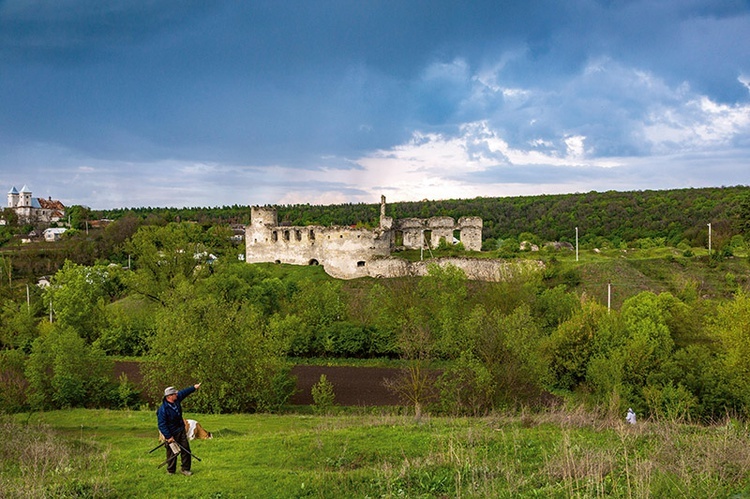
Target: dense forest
[(675, 214)]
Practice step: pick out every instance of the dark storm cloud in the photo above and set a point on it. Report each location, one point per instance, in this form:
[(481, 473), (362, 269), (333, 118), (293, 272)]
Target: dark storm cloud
[(254, 89)]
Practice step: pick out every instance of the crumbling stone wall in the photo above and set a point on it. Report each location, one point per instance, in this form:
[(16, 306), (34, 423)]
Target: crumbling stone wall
[(491, 270), (348, 253)]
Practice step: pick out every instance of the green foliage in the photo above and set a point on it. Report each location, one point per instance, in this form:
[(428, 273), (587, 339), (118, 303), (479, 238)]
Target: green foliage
[(508, 248), (12, 381), (319, 305), (79, 216), (444, 292), (164, 256), (63, 371), (383, 314), (126, 395), (467, 387), (324, 397), (648, 343), (342, 339), (17, 325), (79, 294), (572, 345), (669, 402), (556, 305), (129, 328), (731, 326), (200, 338)]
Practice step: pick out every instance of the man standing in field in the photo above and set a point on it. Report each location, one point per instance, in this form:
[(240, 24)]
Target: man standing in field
[(172, 426)]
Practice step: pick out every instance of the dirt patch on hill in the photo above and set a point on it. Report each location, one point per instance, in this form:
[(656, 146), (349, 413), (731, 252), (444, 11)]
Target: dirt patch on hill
[(351, 385)]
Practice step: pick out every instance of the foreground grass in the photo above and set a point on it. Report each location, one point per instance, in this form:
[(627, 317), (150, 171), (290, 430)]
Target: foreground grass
[(376, 455)]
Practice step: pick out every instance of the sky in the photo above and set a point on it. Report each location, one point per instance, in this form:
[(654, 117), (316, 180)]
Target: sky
[(139, 103)]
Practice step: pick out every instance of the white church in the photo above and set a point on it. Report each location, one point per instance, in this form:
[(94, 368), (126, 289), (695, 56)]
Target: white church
[(31, 209)]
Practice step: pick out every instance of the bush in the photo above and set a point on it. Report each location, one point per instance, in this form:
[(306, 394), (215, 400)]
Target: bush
[(349, 340), (466, 388), (669, 402), (126, 395), (323, 395)]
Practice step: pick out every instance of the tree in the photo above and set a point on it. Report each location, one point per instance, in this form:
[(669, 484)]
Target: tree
[(466, 387), (17, 325), (556, 305), (79, 216), (65, 372), (444, 293), (166, 255), (743, 215), (731, 326), (509, 346), (572, 344), (78, 295), (225, 345), (648, 342), (416, 344), (129, 327)]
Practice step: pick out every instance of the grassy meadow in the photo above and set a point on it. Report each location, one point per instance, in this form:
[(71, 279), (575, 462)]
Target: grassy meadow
[(103, 453)]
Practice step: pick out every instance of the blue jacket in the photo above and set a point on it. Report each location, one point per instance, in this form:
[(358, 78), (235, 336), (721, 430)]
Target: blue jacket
[(169, 415)]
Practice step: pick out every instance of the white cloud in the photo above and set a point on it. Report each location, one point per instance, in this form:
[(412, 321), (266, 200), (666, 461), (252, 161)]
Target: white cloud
[(575, 146), (696, 124), (745, 80)]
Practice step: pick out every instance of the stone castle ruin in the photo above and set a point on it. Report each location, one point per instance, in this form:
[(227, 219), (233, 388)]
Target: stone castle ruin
[(347, 252)]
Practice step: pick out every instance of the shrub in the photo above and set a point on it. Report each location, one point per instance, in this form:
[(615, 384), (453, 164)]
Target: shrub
[(350, 339), (467, 387), (323, 395), (126, 395), (669, 402)]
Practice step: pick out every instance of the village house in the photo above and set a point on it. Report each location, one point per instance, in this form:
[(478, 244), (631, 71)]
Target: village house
[(53, 233)]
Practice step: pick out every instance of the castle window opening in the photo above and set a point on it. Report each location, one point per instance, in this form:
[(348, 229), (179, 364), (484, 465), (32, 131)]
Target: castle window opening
[(361, 263), (298, 235), (456, 236), (275, 236), (311, 235), (277, 261), (286, 235), (427, 238), (313, 262)]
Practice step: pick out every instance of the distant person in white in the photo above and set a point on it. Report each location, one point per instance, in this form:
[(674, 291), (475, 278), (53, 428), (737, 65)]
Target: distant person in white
[(630, 418)]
